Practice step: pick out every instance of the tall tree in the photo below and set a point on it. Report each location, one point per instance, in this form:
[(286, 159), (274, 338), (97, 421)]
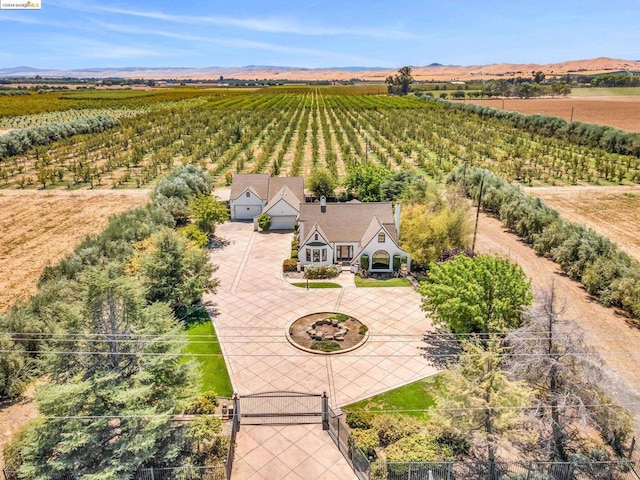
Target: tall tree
[(207, 212), (174, 270), (400, 83), (113, 389), (365, 181), (478, 396), (485, 294), (566, 376), (322, 182)]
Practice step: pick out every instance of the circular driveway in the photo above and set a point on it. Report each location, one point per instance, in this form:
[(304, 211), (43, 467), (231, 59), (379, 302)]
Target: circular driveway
[(253, 306)]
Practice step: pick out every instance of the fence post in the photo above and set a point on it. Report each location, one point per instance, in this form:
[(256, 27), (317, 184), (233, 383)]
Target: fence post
[(529, 471), (409, 476), (236, 408), (325, 411), (152, 475)]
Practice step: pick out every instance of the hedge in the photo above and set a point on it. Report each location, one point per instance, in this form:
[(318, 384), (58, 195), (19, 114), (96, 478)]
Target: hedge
[(585, 256)]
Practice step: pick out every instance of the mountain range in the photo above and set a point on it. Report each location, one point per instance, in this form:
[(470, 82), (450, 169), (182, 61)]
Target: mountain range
[(434, 71)]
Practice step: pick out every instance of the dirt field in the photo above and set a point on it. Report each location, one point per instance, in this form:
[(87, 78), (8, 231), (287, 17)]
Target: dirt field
[(607, 332), (14, 416), (38, 228), (611, 211), (619, 112)]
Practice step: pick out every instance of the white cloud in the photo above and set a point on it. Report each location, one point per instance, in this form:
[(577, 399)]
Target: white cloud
[(266, 25), (231, 42)]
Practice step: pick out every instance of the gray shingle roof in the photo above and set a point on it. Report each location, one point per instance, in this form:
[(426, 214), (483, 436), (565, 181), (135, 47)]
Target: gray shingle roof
[(285, 194), (347, 222)]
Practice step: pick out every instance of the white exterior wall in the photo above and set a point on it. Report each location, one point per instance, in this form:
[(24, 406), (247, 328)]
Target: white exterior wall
[(389, 246), (283, 216), (239, 206)]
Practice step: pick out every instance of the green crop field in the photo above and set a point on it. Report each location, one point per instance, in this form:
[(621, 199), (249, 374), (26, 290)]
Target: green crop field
[(286, 131), (605, 91)]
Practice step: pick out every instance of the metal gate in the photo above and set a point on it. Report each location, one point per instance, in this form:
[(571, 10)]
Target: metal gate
[(282, 408)]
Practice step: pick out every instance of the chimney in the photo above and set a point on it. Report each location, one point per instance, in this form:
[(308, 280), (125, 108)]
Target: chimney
[(396, 218), (323, 204)]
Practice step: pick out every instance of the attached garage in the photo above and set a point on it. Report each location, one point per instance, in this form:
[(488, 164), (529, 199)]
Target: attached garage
[(283, 222), (247, 212)]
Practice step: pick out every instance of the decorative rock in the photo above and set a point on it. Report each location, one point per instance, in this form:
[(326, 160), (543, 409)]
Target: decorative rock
[(334, 322), (338, 337)]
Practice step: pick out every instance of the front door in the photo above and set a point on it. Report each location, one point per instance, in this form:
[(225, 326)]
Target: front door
[(345, 253)]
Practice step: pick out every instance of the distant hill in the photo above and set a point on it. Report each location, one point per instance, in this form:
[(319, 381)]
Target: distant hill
[(434, 71)]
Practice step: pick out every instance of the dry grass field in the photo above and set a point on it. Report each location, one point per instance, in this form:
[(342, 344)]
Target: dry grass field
[(620, 112), (611, 211), (38, 228)]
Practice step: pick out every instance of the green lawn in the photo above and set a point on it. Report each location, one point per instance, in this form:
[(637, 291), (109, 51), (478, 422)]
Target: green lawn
[(418, 396), (214, 371), (316, 285), (605, 91), (392, 282)]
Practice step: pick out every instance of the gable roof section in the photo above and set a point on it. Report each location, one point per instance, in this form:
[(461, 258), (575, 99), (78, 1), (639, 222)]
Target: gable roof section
[(286, 195), (348, 222), (258, 182), (315, 229), (376, 227), (294, 184)]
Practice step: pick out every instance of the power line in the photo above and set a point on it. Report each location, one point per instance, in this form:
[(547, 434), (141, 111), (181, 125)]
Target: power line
[(298, 354)]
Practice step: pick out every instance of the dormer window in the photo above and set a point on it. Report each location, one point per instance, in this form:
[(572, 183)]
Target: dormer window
[(248, 194), (381, 237)]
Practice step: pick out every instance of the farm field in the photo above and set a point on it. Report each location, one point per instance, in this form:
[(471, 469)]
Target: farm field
[(290, 131), (614, 111), (613, 212), (39, 228)]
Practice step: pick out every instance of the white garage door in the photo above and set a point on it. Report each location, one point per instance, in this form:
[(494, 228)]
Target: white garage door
[(247, 212), (283, 222)]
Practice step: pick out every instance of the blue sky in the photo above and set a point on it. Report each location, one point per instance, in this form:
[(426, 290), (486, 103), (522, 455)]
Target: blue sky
[(328, 33)]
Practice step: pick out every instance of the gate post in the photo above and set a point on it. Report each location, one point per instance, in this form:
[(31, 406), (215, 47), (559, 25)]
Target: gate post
[(325, 411), (236, 410)]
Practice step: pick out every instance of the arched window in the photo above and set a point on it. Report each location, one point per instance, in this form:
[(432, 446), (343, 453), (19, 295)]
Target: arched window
[(248, 194), (380, 260)]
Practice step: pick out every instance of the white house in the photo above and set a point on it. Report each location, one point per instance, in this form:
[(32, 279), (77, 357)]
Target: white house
[(362, 235), (279, 197)]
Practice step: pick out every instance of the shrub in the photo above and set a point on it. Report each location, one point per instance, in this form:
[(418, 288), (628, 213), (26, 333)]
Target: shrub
[(392, 428), (294, 253), (197, 236), (318, 272), (205, 404), (359, 420), (325, 346), (341, 317), (456, 442), (264, 222), (364, 262), (417, 448), (363, 329), (290, 265), (367, 440)]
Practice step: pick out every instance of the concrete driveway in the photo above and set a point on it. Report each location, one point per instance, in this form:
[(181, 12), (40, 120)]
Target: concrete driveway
[(254, 305)]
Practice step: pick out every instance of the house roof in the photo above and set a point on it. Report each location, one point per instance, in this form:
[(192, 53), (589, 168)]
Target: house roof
[(294, 184), (259, 182), (347, 222), (285, 194), (266, 187)]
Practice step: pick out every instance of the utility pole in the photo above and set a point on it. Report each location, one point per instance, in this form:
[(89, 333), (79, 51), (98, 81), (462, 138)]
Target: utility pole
[(475, 230)]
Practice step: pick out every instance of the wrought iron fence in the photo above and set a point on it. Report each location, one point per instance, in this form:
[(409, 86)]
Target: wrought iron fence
[(210, 472), (341, 435), (235, 427), (619, 470), (280, 408)]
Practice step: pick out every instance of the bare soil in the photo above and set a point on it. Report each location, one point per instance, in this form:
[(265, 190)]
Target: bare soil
[(611, 211), (609, 332), (619, 112), (38, 228), (14, 415)]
